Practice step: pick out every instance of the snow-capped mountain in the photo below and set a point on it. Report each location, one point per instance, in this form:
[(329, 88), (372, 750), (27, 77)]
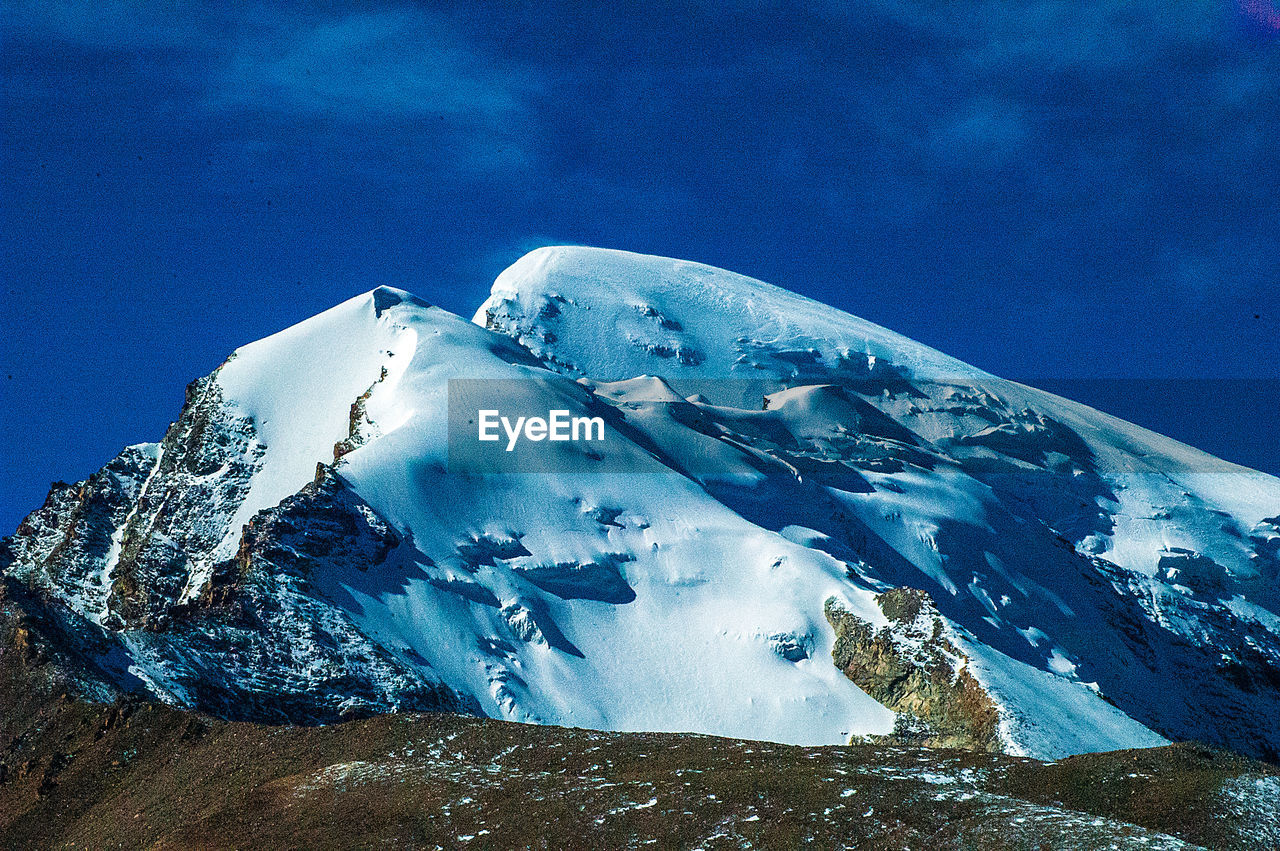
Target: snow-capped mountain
[(798, 526)]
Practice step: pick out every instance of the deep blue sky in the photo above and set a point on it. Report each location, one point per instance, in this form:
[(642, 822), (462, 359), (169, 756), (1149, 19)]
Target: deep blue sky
[(1045, 188)]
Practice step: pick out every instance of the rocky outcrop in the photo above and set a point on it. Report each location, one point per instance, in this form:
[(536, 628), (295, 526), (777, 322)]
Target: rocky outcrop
[(203, 471), (62, 548), (911, 667), (48, 651), (127, 544), (259, 642), (360, 429), (262, 642)]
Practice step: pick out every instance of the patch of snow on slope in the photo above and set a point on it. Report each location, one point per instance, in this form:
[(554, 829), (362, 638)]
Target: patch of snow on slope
[(298, 387), (1047, 716)]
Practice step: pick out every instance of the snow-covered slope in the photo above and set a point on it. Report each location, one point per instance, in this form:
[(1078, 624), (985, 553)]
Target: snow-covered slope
[(307, 541)]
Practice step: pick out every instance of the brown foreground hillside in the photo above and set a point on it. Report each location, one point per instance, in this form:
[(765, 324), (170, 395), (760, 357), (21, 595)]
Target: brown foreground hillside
[(131, 773)]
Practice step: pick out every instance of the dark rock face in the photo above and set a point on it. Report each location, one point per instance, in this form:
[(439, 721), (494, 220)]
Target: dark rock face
[(202, 475), (262, 643), (911, 667), (48, 650), (61, 547), (123, 545), (125, 568)]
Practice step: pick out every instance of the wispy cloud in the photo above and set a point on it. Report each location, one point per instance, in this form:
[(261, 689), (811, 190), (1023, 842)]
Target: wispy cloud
[(399, 67), (391, 63), (1059, 34)]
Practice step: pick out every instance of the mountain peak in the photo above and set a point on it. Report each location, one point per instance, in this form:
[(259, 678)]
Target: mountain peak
[(806, 510), (385, 298), (616, 314)]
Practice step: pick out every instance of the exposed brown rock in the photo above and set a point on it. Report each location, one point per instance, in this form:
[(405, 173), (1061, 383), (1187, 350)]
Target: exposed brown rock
[(356, 420), (912, 668)]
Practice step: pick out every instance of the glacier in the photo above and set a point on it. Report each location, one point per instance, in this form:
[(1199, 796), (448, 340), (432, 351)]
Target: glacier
[(302, 546)]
